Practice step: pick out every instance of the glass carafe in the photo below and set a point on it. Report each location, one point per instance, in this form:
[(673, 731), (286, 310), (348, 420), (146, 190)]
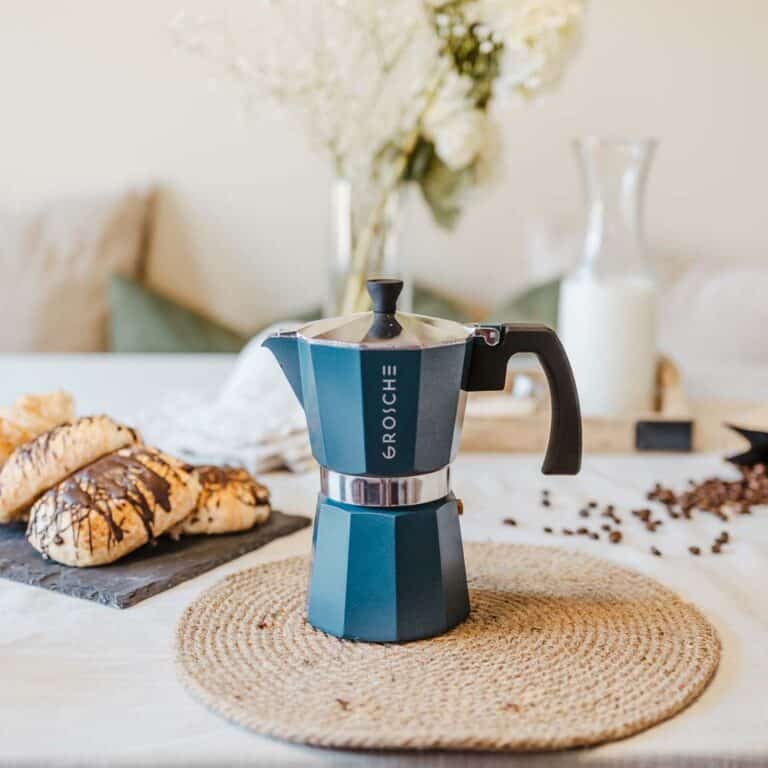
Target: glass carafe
[(607, 313)]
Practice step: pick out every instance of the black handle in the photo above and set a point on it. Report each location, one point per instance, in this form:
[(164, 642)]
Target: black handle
[(384, 294), (494, 345)]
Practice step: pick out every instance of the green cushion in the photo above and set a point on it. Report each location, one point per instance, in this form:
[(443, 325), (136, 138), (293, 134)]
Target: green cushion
[(534, 305), (429, 302), (143, 321)]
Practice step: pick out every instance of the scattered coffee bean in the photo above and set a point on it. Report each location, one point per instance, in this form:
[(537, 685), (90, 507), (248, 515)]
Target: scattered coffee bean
[(546, 502), (724, 538), (584, 512), (592, 504), (594, 536), (567, 531), (694, 550), (605, 527), (545, 491), (582, 531), (615, 537), (547, 529), (655, 552), (716, 549), (510, 521), (718, 496)]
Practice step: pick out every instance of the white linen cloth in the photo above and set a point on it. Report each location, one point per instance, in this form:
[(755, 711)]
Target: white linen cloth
[(255, 421)]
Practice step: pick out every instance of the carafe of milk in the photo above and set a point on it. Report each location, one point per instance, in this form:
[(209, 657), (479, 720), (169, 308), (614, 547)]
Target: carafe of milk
[(607, 312)]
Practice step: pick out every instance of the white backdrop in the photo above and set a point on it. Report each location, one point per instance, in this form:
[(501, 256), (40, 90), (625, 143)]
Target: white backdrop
[(93, 95)]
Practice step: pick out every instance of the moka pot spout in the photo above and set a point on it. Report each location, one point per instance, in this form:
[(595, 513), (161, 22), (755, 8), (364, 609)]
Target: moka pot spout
[(284, 345)]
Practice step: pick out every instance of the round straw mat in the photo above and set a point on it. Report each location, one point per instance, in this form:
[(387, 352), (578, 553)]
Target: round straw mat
[(560, 650)]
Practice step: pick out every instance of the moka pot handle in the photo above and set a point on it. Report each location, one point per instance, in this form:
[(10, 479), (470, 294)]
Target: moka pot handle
[(491, 348)]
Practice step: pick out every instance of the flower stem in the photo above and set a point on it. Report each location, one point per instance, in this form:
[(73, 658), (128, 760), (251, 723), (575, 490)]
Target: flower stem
[(354, 290)]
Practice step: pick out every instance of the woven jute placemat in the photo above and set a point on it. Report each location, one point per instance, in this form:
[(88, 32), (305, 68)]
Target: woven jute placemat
[(560, 650)]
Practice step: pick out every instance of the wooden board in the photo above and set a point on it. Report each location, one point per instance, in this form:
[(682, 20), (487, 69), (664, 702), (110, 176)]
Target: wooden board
[(500, 422)]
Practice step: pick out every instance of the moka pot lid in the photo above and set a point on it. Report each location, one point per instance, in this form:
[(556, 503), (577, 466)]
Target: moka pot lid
[(385, 327)]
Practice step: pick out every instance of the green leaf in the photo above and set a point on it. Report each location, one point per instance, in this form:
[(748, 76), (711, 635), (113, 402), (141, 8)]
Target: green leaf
[(444, 190), (420, 160)]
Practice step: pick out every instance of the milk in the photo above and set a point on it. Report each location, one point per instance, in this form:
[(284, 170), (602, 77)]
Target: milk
[(608, 328)]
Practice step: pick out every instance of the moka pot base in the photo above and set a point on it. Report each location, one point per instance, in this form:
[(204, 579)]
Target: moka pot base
[(387, 573)]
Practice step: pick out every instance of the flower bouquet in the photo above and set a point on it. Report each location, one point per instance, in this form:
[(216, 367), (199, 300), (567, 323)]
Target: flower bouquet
[(397, 93)]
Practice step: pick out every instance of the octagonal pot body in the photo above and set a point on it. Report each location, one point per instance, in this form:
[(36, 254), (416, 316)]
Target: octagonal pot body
[(383, 412)]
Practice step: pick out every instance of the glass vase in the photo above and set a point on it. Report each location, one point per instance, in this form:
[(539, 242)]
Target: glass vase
[(366, 242), (607, 312)]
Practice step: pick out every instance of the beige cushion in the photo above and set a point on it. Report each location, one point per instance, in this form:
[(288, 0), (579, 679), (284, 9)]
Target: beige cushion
[(55, 264)]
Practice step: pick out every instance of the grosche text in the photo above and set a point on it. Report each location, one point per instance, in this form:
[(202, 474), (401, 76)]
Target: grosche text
[(389, 411)]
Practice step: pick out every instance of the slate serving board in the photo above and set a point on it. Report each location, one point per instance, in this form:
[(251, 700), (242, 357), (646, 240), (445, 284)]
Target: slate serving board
[(146, 572)]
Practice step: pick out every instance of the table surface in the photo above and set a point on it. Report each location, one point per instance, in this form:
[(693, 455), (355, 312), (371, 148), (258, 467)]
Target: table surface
[(83, 684)]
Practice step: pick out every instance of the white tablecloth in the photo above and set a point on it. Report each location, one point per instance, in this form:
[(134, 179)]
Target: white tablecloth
[(82, 684)]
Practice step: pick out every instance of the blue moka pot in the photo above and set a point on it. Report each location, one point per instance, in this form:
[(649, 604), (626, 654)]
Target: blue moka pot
[(384, 394)]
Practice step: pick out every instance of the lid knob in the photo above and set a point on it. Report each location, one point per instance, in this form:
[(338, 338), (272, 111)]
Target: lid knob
[(384, 293)]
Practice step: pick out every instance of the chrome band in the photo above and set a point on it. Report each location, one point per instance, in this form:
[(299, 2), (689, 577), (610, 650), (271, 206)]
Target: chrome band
[(385, 491)]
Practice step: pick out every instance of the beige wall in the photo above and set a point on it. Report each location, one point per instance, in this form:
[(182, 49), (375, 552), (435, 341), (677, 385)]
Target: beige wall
[(93, 95)]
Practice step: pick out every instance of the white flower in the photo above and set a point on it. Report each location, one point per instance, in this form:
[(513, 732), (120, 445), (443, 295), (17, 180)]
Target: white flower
[(538, 36), (459, 140), (457, 129)]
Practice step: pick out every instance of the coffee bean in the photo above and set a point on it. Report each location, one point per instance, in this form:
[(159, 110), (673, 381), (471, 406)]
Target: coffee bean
[(594, 536), (584, 512), (546, 503), (510, 521), (547, 529), (694, 550), (567, 531), (724, 538), (605, 527), (655, 552), (592, 504), (615, 537), (716, 549), (582, 531), (717, 496)]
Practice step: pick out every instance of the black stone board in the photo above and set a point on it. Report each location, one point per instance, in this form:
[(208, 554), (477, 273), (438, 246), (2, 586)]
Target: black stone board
[(145, 572)]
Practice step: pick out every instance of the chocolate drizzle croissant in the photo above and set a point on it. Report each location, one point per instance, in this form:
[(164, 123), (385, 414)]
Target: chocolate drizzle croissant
[(48, 459), (112, 506), (230, 500)]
